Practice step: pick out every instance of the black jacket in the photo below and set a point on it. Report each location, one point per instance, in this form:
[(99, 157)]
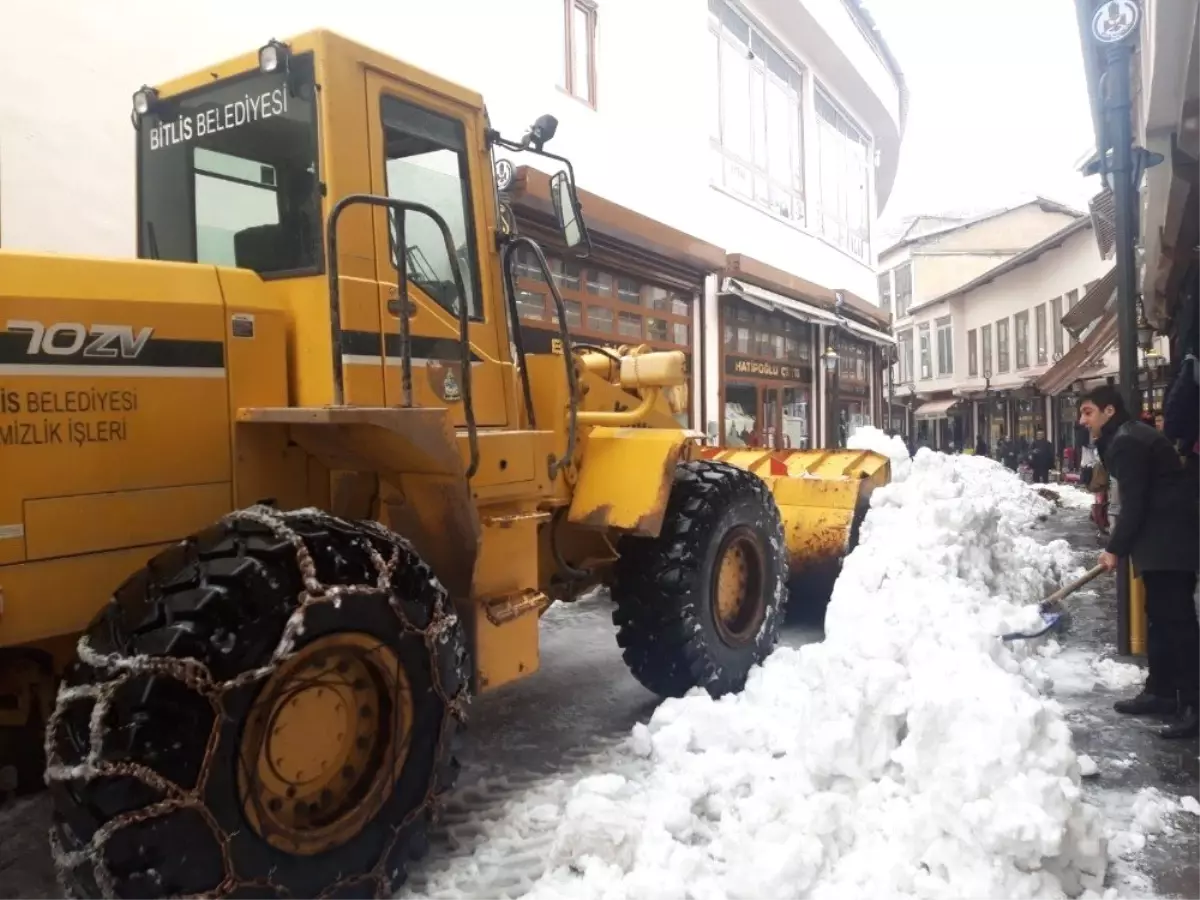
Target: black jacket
[(1041, 456), (1158, 522)]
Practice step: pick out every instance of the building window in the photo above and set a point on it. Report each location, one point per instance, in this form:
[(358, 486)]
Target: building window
[(844, 161), (885, 292), (905, 339), (1002, 345), (1072, 297), (577, 74), (904, 288), (602, 305), (755, 131), (985, 342), (945, 346), (926, 351), (1039, 324), (972, 353), (1056, 314), (1021, 337)]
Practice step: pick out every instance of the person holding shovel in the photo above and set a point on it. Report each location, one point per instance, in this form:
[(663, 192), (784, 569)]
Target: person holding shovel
[(1158, 527)]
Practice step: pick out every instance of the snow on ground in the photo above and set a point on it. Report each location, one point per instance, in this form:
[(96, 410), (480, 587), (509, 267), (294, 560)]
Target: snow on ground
[(910, 754), (1071, 496), (1077, 671)]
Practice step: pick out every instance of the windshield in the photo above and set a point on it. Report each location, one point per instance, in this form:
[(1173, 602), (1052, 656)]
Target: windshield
[(228, 175)]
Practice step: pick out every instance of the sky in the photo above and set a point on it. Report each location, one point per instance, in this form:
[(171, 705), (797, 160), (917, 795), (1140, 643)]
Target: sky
[(999, 106)]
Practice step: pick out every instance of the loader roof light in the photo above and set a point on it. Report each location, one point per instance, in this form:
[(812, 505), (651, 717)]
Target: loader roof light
[(144, 99), (273, 56)]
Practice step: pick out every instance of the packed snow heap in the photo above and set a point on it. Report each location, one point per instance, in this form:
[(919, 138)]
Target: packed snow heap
[(911, 753)]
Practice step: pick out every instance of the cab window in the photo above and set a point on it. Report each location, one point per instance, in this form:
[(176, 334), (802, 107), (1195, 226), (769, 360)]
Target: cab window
[(426, 163)]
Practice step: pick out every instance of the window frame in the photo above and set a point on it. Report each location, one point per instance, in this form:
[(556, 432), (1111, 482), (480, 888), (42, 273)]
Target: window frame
[(906, 357), (885, 291), (727, 41), (985, 350), (611, 303), (1056, 314), (973, 353), (1021, 338), (925, 350), (821, 95), (1041, 337), (571, 47), (473, 276), (944, 324), (906, 266), (1002, 347)]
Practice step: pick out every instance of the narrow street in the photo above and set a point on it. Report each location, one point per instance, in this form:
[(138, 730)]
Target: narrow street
[(528, 744)]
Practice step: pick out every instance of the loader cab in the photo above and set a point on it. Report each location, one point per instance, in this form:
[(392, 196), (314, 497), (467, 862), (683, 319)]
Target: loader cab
[(246, 165)]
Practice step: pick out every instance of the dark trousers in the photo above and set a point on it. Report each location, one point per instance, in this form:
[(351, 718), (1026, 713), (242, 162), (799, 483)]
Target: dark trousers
[(1041, 476), (1172, 636)]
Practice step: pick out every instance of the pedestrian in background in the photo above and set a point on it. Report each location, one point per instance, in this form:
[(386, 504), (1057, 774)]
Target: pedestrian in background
[(1041, 457), (1158, 528)]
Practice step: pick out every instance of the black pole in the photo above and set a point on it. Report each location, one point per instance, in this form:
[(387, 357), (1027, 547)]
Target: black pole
[(1119, 127), (891, 392)]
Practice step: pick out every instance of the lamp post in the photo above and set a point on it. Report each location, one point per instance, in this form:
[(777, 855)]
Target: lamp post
[(987, 405), (830, 359)]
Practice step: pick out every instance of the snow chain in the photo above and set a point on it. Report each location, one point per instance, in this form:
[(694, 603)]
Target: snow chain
[(197, 677)]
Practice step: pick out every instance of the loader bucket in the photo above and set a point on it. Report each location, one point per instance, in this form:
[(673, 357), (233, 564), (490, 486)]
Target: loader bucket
[(823, 496)]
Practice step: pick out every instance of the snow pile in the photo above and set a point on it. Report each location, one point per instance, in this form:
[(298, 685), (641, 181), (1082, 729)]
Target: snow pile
[(1118, 676), (1076, 671), (908, 755), (868, 437), (1070, 496)]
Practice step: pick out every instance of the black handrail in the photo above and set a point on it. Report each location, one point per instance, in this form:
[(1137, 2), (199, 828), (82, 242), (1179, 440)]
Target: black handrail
[(568, 357), (400, 208)]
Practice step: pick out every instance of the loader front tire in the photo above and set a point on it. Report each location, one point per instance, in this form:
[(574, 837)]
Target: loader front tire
[(702, 603), (267, 709)]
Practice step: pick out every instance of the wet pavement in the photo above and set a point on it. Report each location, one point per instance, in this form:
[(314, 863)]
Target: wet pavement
[(1128, 753)]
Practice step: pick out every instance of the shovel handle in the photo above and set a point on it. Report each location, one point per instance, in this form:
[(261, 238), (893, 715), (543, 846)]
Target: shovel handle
[(1068, 590)]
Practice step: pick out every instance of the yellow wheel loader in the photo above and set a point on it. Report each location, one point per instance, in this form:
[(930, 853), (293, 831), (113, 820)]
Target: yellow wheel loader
[(299, 450)]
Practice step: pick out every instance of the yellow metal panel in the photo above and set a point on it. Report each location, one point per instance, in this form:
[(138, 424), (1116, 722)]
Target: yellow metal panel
[(67, 526), (60, 596), (503, 653), (626, 478)]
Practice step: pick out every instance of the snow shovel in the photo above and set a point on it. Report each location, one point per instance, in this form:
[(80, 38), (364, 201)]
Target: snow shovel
[(1052, 617)]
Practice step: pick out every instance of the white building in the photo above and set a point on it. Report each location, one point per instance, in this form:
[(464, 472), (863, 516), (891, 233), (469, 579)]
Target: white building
[(762, 131)]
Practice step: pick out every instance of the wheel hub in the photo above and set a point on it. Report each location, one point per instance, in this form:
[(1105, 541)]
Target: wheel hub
[(326, 740), (738, 603)]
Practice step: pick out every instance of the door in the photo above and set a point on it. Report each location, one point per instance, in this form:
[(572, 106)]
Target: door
[(430, 150), (795, 418)]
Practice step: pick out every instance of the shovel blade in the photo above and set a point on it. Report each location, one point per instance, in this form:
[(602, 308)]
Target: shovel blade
[(1050, 621)]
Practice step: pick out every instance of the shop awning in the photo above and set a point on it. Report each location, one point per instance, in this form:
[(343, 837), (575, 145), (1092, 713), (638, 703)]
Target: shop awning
[(1082, 355), (1094, 302), (875, 337), (934, 408), (765, 299)]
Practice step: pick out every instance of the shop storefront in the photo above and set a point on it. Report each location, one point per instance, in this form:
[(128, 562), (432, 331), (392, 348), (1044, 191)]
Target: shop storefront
[(1030, 410), (767, 377), (642, 283), (852, 386)]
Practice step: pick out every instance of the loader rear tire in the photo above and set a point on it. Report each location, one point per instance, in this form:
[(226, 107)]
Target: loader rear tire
[(676, 621), (282, 691)]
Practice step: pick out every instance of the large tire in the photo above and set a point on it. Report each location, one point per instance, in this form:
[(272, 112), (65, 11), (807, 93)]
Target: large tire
[(161, 750), (668, 619)]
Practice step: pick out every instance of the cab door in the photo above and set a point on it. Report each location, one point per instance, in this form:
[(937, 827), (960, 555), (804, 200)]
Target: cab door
[(430, 150)]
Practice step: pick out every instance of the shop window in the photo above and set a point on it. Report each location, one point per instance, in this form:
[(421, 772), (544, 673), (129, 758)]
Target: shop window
[(599, 283), (629, 325), (527, 265), (945, 346), (577, 71), (565, 274), (680, 333), (531, 306), (972, 353), (574, 313), (755, 115), (1021, 337), (743, 340), (629, 291), (729, 337), (600, 318), (740, 428), (1040, 333), (680, 306), (796, 404), (1002, 345), (656, 329)]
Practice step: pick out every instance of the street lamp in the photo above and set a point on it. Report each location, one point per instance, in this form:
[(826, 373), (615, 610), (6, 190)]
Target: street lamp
[(1145, 331), (1153, 361), (830, 358)]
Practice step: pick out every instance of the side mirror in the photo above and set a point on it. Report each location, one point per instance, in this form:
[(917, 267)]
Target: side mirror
[(566, 209)]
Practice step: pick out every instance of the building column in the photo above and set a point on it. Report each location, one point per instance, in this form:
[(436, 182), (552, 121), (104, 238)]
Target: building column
[(820, 401)]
